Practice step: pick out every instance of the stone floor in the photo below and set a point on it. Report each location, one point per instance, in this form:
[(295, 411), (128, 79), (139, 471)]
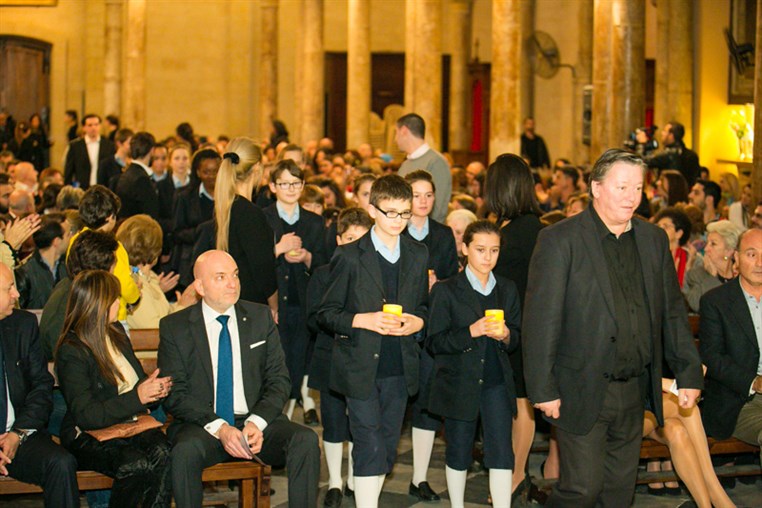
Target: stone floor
[(395, 489)]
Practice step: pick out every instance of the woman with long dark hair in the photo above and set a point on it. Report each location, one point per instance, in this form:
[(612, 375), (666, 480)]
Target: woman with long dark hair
[(510, 195), (104, 385)]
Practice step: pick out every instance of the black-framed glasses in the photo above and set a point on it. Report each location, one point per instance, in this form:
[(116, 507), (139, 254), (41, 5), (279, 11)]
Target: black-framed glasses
[(289, 185), (392, 214)]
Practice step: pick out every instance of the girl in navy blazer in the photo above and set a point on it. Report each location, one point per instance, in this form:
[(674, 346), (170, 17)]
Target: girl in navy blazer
[(472, 373)]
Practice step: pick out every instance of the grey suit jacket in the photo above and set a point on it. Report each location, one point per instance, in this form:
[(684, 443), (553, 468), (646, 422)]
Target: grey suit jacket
[(184, 355), (570, 327)]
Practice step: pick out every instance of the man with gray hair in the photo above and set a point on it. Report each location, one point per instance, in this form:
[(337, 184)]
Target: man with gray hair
[(602, 302)]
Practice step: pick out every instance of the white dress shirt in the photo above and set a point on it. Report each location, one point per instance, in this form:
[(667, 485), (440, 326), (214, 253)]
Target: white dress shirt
[(93, 149)]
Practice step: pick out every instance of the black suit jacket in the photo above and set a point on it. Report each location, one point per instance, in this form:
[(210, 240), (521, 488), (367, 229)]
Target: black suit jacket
[(458, 357), (320, 367), (311, 229), (730, 351), (190, 210), (357, 287), (138, 193), (184, 355), (91, 401), (109, 170), (443, 255), (77, 167), (30, 385), (570, 327)]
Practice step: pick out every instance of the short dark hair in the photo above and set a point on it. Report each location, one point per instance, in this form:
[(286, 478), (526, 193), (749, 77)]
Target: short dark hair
[(365, 177), (91, 250), (711, 189), (122, 135), (312, 194), (420, 175), (90, 115), (414, 124), (73, 114), (606, 161), (354, 216), (571, 172), (681, 221), (390, 187), (50, 229), (509, 189), (677, 130), (113, 120), (97, 205), (202, 155), (49, 196), (141, 145), (480, 226), (286, 165)]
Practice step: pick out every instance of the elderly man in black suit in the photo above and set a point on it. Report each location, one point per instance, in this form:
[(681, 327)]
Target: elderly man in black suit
[(731, 341), (230, 384), (26, 399), (602, 307), (137, 187), (85, 154)]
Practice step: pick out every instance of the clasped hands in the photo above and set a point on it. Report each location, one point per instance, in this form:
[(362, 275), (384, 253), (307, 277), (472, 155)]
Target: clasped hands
[(241, 444), (385, 323), (488, 326)]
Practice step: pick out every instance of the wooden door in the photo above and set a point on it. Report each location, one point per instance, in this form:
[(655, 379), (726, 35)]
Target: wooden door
[(25, 77)]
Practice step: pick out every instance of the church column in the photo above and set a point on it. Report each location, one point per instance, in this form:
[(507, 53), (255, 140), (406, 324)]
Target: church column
[(756, 173), (583, 77), (460, 26), (312, 84), (358, 73), (506, 72), (267, 74), (618, 72), (423, 65), (112, 65), (134, 112)]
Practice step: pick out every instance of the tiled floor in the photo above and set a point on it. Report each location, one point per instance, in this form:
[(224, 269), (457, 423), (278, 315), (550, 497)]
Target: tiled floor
[(395, 489)]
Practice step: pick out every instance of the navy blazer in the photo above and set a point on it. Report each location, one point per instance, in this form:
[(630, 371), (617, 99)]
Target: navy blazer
[(138, 193), (320, 367), (443, 255), (458, 357), (184, 355), (357, 287), (730, 351)]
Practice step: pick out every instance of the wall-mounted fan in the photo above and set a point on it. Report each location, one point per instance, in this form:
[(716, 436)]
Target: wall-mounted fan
[(742, 55), (544, 55)]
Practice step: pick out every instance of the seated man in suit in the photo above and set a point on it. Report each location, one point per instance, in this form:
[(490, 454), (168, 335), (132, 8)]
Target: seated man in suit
[(731, 340), (223, 411), (26, 450)]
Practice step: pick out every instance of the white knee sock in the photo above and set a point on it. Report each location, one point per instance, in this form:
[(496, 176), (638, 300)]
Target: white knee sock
[(307, 401), (423, 443), (350, 467), (366, 491), (456, 486), (290, 408), (500, 487), (381, 479), (333, 456)]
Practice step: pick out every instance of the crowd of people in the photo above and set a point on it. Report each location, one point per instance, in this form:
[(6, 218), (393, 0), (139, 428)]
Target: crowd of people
[(473, 298)]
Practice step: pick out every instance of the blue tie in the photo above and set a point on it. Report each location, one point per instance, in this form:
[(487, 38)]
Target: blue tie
[(225, 374)]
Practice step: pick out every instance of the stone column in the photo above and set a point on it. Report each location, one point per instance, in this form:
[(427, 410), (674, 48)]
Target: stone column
[(460, 30), (423, 70), (583, 76), (358, 73), (112, 65), (618, 72), (674, 64), (313, 74), (267, 75), (756, 172), (505, 88), (134, 89)]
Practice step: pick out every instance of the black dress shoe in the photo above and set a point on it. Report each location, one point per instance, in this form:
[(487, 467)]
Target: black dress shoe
[(348, 492), (423, 492), (311, 418), (333, 498)]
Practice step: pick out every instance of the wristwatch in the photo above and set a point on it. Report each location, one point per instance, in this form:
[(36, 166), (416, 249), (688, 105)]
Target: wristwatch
[(22, 434)]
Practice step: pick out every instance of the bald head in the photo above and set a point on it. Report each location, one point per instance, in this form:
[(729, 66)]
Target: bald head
[(26, 174), (8, 293), (217, 281), (21, 202)]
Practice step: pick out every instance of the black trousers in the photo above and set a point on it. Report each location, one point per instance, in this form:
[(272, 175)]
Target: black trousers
[(139, 466), (294, 339), (599, 469), (42, 462), (285, 444), (376, 424), (422, 419)]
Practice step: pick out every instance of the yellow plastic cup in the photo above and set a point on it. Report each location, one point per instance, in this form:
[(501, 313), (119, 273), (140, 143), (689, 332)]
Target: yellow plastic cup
[(391, 308), (496, 316)]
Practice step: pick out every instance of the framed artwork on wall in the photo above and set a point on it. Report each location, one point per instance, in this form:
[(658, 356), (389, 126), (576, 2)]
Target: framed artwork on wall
[(740, 38), (28, 3)]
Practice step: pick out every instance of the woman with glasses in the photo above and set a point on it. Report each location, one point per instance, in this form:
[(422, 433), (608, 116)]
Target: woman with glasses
[(242, 228)]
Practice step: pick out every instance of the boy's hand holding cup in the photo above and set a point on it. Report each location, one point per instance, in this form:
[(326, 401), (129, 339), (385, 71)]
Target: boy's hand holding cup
[(496, 328)]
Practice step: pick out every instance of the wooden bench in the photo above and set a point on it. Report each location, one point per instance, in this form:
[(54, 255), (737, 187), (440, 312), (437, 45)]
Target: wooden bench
[(253, 478)]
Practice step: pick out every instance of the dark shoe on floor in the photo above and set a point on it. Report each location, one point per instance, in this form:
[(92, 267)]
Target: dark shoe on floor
[(333, 498), (348, 492), (727, 482), (673, 491), (423, 492), (521, 489), (311, 418), (656, 491)]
